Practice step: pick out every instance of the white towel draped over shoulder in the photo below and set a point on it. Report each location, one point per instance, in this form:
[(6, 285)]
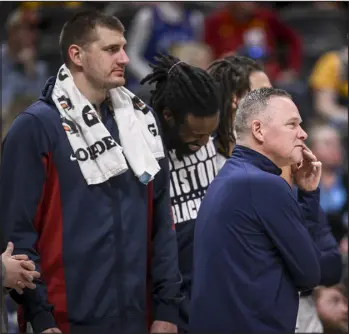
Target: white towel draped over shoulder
[(99, 156)]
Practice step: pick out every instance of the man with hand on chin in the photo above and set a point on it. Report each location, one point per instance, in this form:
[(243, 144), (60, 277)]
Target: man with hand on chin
[(253, 243)]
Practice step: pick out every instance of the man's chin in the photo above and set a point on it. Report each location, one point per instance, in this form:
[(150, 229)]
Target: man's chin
[(297, 159), (117, 82), (183, 151)]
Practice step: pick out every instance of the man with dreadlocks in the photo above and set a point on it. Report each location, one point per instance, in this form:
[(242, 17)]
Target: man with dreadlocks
[(185, 100), (236, 76)]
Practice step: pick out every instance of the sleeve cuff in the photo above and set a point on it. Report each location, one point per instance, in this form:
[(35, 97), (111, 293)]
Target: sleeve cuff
[(310, 206), (313, 193), (166, 312), (310, 201), (42, 321)]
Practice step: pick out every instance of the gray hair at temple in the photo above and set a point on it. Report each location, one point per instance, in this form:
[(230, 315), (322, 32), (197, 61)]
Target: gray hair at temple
[(252, 107)]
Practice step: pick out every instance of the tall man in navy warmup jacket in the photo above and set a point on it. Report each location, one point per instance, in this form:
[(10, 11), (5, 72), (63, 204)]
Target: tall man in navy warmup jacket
[(107, 251), (253, 245)]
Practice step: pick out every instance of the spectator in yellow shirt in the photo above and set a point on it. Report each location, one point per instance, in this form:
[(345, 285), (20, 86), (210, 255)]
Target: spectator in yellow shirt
[(329, 82)]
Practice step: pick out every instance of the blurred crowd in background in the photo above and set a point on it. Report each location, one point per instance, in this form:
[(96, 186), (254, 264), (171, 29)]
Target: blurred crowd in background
[(302, 45)]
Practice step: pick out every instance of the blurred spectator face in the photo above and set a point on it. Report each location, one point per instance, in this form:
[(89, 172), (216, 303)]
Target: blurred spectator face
[(326, 146), (22, 32), (259, 80), (23, 36), (105, 59), (193, 53), (242, 10), (332, 308)]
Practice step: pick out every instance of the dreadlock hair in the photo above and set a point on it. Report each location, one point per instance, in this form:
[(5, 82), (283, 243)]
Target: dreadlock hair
[(181, 88), (232, 75)]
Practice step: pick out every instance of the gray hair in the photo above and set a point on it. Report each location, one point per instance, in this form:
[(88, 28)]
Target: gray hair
[(252, 105)]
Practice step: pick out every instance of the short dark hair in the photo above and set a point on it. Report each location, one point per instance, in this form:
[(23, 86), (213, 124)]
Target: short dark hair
[(232, 74), (182, 88), (80, 29), (253, 104)]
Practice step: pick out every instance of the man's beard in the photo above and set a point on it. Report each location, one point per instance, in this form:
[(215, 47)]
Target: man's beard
[(173, 140)]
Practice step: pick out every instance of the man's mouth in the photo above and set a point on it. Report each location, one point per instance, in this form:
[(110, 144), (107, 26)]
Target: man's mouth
[(118, 72), (193, 147)]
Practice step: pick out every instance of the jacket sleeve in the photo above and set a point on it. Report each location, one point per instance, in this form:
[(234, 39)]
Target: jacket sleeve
[(22, 178), (284, 223), (165, 274), (330, 259)]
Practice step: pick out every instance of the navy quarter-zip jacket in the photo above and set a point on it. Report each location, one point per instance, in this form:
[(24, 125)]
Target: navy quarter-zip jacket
[(253, 250), (106, 252)]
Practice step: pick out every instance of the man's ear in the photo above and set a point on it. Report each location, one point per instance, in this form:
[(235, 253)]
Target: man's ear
[(257, 130), (168, 117), (75, 54)]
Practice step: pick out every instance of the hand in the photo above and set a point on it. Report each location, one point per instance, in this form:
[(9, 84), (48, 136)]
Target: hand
[(52, 330), (25, 265), (19, 273), (163, 327), (307, 174)]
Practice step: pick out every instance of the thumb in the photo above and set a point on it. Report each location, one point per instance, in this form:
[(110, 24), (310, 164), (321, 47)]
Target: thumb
[(9, 249)]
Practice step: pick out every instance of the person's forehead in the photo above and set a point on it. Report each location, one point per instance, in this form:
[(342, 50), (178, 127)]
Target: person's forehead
[(259, 79), (197, 124), (109, 36), (283, 107)]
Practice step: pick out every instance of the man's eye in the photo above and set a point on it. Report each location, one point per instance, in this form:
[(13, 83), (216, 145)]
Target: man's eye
[(113, 50)]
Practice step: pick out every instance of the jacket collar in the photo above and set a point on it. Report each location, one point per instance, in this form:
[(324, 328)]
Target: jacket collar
[(245, 154)]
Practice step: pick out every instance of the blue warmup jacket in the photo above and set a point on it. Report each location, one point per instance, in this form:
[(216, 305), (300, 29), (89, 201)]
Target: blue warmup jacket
[(103, 250), (253, 250)]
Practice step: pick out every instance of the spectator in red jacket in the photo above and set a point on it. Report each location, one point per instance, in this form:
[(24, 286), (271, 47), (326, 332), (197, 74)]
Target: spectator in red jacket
[(248, 29)]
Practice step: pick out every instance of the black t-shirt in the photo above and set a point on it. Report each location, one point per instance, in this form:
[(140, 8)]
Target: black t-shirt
[(190, 179)]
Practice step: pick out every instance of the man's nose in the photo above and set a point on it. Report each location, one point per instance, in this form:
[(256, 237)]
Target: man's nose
[(123, 59), (204, 140), (302, 134)]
